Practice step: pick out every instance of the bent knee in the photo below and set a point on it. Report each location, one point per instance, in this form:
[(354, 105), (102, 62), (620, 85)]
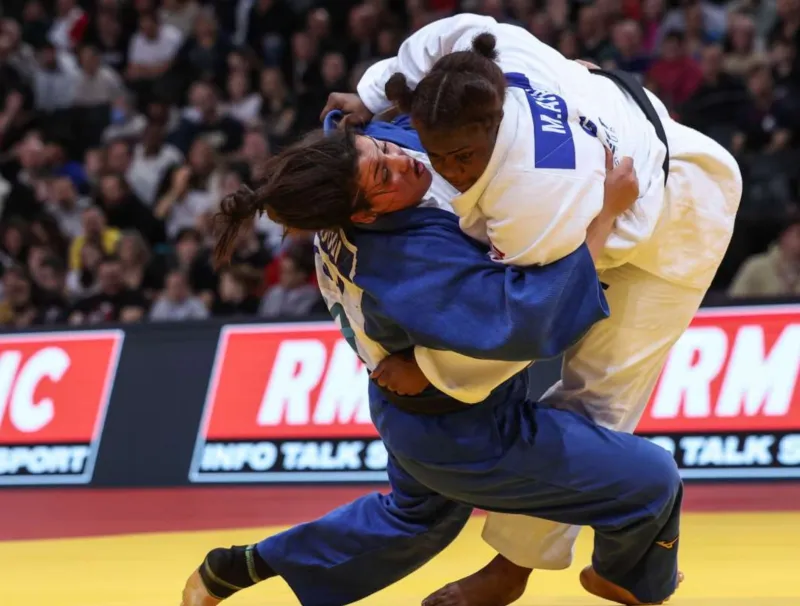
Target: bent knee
[(663, 481)]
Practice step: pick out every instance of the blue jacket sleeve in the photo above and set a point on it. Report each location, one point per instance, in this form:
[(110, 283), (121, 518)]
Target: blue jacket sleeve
[(441, 287)]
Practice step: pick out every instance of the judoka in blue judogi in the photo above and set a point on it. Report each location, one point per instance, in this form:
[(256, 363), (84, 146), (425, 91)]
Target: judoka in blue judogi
[(413, 278)]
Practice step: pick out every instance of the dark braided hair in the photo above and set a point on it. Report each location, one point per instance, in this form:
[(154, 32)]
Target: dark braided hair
[(311, 186), (462, 88)]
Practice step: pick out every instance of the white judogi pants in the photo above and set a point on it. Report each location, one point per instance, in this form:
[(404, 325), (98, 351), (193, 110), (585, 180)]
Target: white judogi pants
[(610, 374)]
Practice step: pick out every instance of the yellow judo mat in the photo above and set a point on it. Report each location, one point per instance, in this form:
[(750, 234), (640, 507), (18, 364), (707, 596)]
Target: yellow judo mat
[(729, 560)]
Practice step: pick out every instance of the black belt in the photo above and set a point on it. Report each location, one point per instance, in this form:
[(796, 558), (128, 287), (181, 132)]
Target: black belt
[(631, 85), (429, 402)]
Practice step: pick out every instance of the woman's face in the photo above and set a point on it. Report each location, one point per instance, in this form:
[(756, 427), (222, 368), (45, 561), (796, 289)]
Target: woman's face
[(230, 289), (237, 86), (201, 157), (461, 155), (290, 275), (236, 62), (128, 250), (270, 82), (390, 178), (13, 241)]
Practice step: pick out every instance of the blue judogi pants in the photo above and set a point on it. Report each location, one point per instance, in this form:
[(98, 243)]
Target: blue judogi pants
[(505, 455)]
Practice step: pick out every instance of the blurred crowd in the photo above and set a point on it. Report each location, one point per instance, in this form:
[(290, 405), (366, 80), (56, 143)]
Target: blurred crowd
[(124, 122)]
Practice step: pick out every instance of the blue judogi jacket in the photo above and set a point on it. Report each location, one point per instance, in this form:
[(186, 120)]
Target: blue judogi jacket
[(414, 278)]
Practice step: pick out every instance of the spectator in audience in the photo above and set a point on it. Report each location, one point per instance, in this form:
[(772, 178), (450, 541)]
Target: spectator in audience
[(139, 270), (593, 35), (17, 309), (719, 99), (773, 273), (21, 55), (66, 206), (118, 156), (223, 132), (674, 76), (568, 44), (152, 49), (14, 243), (107, 34), (51, 301), (192, 259), (180, 14), (235, 292), (82, 280), (69, 25), (177, 303), (278, 108), (628, 54), (113, 301), (250, 251), (44, 230), (189, 190), (294, 295), (95, 230), (742, 48), (98, 84), (766, 124), (123, 123), (712, 17), (124, 211), (35, 22), (152, 158), (787, 24), (301, 66), (204, 55), (652, 18), (243, 105), (785, 71), (318, 26), (55, 79), (267, 23)]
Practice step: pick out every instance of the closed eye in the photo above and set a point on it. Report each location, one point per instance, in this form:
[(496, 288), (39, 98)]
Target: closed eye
[(385, 174)]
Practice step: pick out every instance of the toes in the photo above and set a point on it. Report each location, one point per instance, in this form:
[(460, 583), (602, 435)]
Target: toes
[(449, 595)]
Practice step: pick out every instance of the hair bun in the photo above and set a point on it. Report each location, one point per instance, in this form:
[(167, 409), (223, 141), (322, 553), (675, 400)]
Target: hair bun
[(484, 44), (239, 204), (398, 92)]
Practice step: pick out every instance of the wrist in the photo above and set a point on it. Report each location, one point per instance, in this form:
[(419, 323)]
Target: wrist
[(606, 217)]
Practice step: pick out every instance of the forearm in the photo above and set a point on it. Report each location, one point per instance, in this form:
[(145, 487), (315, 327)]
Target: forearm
[(418, 53), (598, 233)]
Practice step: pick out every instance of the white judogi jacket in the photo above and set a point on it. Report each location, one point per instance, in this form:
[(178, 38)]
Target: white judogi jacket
[(544, 182)]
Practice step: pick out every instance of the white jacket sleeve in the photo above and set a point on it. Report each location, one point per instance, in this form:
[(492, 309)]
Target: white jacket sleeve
[(518, 51), (463, 378), (423, 48)]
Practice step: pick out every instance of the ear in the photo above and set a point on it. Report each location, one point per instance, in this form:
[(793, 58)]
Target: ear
[(364, 216)]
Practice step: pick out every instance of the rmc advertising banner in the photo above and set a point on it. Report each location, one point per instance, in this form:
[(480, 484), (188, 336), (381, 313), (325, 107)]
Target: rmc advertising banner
[(163, 405), (288, 403)]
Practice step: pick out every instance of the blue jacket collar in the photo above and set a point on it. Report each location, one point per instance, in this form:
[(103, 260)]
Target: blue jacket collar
[(398, 131)]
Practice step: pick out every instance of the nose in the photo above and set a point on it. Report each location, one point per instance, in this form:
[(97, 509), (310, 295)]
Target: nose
[(400, 162)]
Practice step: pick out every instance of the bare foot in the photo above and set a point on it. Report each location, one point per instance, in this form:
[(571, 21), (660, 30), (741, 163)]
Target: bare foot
[(597, 585), (196, 594), (499, 583)]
